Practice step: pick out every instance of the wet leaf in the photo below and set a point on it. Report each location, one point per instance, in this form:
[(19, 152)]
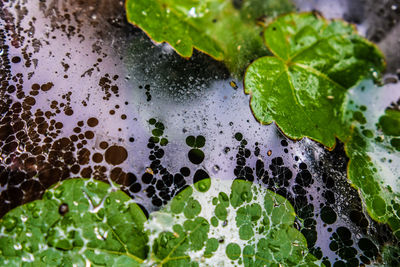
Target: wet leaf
[(302, 87), (217, 27), (77, 222), (374, 154), (223, 222)]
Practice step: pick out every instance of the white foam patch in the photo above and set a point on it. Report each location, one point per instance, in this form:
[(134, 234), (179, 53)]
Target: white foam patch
[(163, 221), (377, 100)]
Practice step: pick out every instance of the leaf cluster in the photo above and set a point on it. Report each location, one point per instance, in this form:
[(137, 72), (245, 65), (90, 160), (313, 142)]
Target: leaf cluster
[(82, 221)]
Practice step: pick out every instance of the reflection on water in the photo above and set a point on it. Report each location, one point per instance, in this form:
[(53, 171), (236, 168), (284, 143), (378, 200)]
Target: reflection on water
[(84, 94)]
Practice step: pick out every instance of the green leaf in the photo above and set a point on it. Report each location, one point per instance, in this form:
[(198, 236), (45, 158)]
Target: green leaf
[(81, 222), (214, 27), (303, 86), (374, 166), (219, 222), (390, 122), (391, 255), (77, 221)]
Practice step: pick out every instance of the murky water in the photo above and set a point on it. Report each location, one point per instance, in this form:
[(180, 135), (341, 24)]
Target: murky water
[(84, 94)]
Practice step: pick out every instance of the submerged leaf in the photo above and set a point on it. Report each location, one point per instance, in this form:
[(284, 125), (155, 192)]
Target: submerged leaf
[(77, 222), (223, 222), (374, 154), (303, 86), (80, 222), (216, 27)]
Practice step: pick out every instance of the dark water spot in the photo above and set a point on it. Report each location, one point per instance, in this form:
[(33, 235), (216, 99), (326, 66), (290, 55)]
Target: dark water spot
[(368, 247), (310, 235), (238, 136), (303, 166), (29, 101), (200, 175), (68, 112), (190, 140), (77, 130), (157, 202), (164, 141), (359, 218), (147, 178), (92, 122), (277, 161), (135, 188), (89, 135), (185, 171), (97, 157), (200, 141), (75, 169), (115, 155), (83, 156), (63, 209), (304, 178), (159, 125), (49, 176), (328, 215), (196, 142), (46, 86), (120, 177), (152, 121), (358, 116), (196, 156), (103, 145), (344, 233), (326, 262), (16, 59), (329, 196), (86, 172), (157, 132), (5, 131), (237, 4), (339, 264)]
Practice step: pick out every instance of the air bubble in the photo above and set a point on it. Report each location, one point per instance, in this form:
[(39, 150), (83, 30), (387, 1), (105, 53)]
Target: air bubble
[(216, 168), (123, 208), (58, 193), (101, 214), (63, 209), (163, 241), (9, 223), (36, 213), (27, 247), (202, 187)]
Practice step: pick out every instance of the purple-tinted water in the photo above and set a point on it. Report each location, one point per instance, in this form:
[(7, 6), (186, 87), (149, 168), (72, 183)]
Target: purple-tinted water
[(78, 89)]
